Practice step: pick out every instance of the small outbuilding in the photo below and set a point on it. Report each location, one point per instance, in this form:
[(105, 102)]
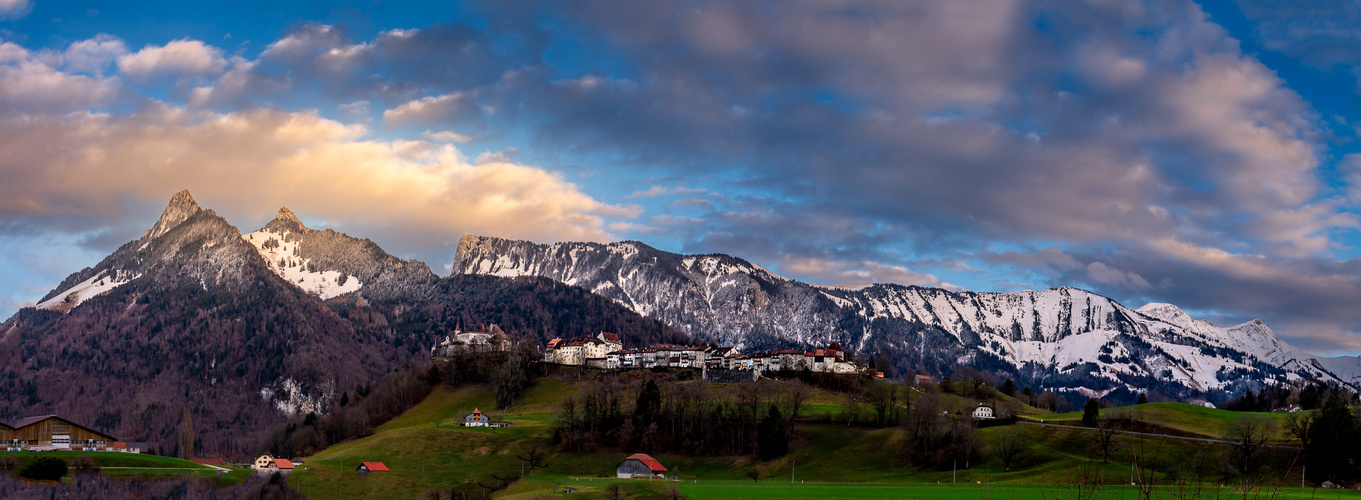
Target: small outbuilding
[(366, 467), (640, 465)]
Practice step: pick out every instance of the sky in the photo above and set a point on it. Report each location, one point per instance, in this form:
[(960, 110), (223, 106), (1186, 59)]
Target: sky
[(1204, 155)]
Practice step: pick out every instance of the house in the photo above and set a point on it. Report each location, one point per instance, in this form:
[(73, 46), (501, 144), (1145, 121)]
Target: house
[(640, 465), (611, 341), (476, 419), (366, 467), (50, 432), (923, 379), (281, 464), (983, 411), (262, 462)]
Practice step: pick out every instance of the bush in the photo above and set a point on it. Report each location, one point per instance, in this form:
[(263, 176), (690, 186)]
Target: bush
[(46, 468)]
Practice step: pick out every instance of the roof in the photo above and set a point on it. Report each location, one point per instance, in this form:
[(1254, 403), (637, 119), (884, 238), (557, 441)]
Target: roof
[(647, 460), (475, 412), (554, 343), (5, 426), (575, 341), (27, 421), (373, 466), (283, 463), (610, 337)]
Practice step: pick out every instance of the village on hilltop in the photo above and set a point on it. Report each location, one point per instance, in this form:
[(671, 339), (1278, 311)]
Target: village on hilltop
[(606, 351)]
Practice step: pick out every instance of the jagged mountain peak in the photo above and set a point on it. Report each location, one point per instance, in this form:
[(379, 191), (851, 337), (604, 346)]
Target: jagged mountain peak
[(181, 207), (285, 222)]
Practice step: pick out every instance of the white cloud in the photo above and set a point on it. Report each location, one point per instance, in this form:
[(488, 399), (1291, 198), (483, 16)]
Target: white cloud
[(432, 109), (837, 272), (178, 58), (93, 55), (1103, 274), (14, 9), (445, 136)]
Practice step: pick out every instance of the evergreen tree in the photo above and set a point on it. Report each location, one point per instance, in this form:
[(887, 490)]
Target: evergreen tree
[(1332, 440), (1143, 397), (1091, 413), (770, 437), (1009, 388)]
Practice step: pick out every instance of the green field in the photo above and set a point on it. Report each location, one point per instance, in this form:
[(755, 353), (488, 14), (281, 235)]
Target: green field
[(139, 465), (425, 450)]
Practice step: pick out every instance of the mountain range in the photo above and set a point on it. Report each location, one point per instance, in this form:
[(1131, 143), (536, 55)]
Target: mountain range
[(1063, 339), (248, 330)]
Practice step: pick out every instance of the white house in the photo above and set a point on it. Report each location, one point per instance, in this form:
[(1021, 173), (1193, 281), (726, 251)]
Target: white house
[(983, 412)]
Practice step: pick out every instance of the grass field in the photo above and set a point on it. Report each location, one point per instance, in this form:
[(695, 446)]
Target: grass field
[(139, 465), (425, 450), (1177, 418)]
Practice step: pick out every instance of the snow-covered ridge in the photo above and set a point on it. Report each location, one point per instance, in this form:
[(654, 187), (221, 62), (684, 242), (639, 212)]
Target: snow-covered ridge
[(102, 282), (280, 252), (1069, 337)]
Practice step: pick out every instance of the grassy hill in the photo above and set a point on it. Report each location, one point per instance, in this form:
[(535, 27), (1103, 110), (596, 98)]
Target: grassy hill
[(425, 450), (136, 465)]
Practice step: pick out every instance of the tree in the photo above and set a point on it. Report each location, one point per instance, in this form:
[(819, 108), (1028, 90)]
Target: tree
[(187, 436), (1106, 431), (1009, 388), (754, 474), (84, 465), (1331, 441), (770, 437), (1299, 424), (1009, 446), (1249, 435), (533, 456), (1091, 412), (1143, 398)]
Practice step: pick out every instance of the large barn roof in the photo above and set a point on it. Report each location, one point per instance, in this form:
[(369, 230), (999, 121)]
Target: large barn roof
[(647, 460)]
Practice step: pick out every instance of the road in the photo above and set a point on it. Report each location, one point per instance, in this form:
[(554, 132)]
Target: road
[(1150, 434)]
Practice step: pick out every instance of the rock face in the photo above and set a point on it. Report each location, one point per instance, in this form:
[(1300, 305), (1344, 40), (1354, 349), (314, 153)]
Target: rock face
[(1063, 338), (330, 264)]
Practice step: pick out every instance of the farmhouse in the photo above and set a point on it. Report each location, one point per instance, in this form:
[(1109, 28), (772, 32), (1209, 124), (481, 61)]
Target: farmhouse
[(983, 412), (640, 465), (476, 419), (262, 462), (50, 432)]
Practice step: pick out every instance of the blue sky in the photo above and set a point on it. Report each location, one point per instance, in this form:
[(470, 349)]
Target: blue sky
[(1203, 155)]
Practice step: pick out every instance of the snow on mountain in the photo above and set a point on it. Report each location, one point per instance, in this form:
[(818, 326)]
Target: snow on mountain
[(96, 285), (1062, 338), (278, 245)]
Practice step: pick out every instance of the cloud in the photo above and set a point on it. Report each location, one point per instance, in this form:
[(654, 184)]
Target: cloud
[(183, 57), (28, 84), (14, 9), (415, 196), (444, 136), (442, 109), (93, 55), (863, 272), (1103, 274)]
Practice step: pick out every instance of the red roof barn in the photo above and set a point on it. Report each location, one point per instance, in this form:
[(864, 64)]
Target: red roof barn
[(640, 465)]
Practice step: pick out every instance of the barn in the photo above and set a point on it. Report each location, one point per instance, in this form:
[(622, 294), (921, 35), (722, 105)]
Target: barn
[(367, 467), (55, 433), (6, 436), (640, 465)]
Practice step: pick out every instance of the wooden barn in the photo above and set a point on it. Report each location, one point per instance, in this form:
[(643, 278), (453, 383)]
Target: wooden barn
[(366, 467), (58, 433), (6, 437), (640, 465)]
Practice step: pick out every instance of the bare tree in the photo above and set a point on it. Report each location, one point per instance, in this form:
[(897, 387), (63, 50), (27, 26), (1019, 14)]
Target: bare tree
[(1009, 446), (1299, 424), (533, 456), (1249, 435), (1107, 429)]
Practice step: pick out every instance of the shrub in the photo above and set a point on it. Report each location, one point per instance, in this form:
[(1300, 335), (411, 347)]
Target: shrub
[(47, 468)]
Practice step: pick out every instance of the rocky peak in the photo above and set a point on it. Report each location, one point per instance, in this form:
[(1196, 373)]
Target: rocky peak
[(285, 222), (181, 208)]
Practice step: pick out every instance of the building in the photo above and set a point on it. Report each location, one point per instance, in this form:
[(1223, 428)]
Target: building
[(50, 433), (281, 464), (366, 467), (476, 419), (984, 411), (640, 465), (262, 462), (488, 339), (923, 379)]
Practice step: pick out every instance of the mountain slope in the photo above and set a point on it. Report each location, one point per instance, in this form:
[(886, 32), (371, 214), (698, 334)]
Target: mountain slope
[(1063, 338)]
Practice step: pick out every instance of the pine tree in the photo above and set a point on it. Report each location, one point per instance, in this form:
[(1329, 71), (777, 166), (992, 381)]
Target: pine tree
[(1143, 397), (1091, 412)]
